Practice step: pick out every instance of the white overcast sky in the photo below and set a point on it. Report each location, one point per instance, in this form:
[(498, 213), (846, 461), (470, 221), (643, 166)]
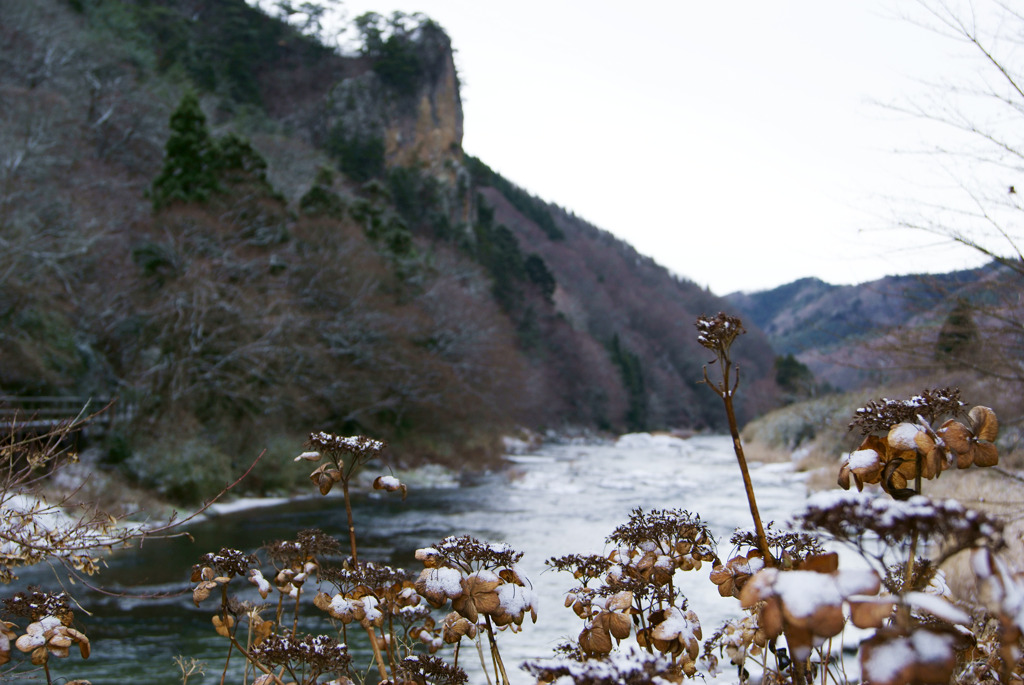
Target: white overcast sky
[(741, 144)]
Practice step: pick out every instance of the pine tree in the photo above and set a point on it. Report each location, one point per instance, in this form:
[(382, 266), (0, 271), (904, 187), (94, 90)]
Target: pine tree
[(190, 158), (957, 337)]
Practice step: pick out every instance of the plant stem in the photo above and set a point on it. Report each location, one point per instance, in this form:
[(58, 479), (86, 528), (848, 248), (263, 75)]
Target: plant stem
[(376, 650), (737, 445), (483, 663), (295, 623), (351, 523), (494, 652), (908, 570)]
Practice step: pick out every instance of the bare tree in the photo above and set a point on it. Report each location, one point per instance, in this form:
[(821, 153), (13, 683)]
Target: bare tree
[(981, 150), (985, 154)]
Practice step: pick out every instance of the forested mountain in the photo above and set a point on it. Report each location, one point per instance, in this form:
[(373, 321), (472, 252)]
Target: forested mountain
[(246, 235), (850, 335)]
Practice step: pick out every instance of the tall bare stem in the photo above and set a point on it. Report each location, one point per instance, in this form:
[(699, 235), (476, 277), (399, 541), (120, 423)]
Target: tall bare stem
[(717, 334)]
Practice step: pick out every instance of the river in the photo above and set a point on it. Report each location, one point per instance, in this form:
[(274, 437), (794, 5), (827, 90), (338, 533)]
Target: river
[(561, 499)]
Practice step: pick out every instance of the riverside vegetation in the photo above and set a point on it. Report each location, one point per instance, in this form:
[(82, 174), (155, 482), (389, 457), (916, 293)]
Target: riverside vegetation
[(795, 603), (226, 223)]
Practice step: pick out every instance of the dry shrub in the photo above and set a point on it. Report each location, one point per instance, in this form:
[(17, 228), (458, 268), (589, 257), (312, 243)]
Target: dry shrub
[(766, 454)]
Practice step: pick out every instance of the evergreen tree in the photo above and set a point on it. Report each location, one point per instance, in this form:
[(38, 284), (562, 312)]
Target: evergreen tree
[(958, 334), (631, 370), (190, 157), (794, 378), (538, 272)]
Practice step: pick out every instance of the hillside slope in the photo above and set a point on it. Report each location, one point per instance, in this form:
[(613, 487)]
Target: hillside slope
[(247, 236)]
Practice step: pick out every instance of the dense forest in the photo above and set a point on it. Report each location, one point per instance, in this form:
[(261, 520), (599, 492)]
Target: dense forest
[(242, 234)]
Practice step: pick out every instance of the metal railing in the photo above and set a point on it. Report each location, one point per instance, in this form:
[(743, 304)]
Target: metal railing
[(40, 414)]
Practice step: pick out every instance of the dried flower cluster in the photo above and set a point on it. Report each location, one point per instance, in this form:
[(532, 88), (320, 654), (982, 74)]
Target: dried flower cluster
[(806, 603), (424, 669), (630, 667), (719, 332), (480, 579), (638, 586), (319, 653), (485, 586), (375, 596), (878, 416), (49, 632), (739, 639), (847, 519), (911, 448), (788, 547)]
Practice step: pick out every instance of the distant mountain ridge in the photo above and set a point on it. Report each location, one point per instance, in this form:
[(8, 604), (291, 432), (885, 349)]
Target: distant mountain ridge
[(812, 319)]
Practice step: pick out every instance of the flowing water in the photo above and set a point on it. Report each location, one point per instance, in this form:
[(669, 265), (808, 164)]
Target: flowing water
[(560, 500)]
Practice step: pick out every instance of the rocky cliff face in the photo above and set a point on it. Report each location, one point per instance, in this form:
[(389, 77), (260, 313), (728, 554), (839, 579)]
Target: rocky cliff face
[(417, 119), (433, 137)]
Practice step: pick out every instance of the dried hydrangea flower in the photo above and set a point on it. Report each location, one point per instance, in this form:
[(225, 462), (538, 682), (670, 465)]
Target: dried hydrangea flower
[(227, 562), (390, 484), (733, 575), (633, 665), (718, 333), (806, 603), (846, 516), (479, 595), (321, 653), (676, 632), (455, 627), (740, 638), (927, 655), (877, 460), (208, 582), (421, 669), (973, 445), (610, 620), (359, 447), (49, 636), (878, 416), (6, 635), (324, 477)]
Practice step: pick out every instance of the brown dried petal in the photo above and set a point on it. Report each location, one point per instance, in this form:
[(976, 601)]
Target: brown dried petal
[(868, 460), (892, 479), (59, 651), (984, 423), (871, 614), (202, 591), (455, 627), (800, 641), (616, 624), (261, 629), (223, 627), (478, 596), (60, 641), (28, 642), (770, 618), (821, 563), (595, 641), (40, 655), (322, 601), (844, 483), (986, 454), (620, 601), (324, 477), (959, 439), (826, 621), (903, 436)]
